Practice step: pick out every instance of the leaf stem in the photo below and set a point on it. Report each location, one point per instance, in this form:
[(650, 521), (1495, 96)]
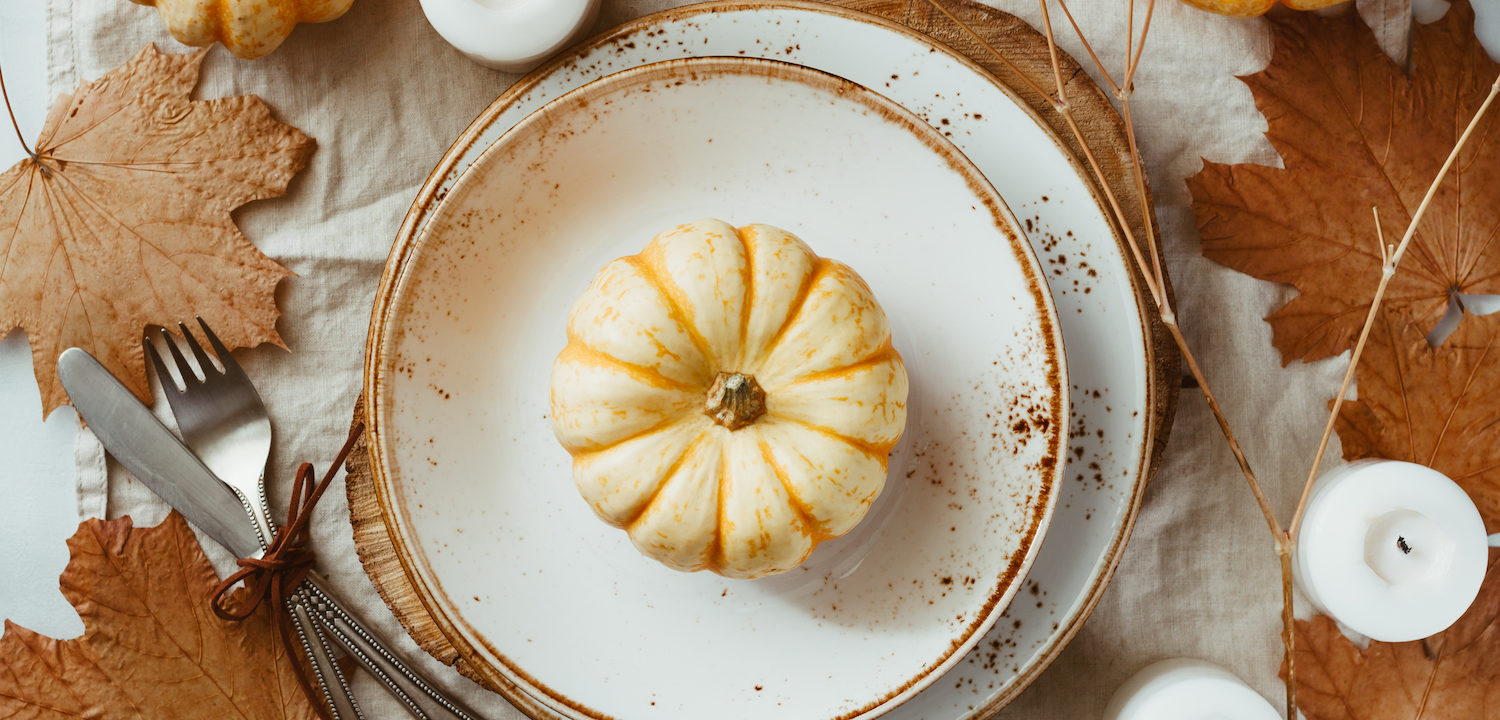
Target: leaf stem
[(1387, 271), (12, 113)]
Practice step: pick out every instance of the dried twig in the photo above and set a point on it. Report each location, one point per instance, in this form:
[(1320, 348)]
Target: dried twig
[(1389, 260), (1151, 271), (989, 48), (1124, 92), (1155, 279), (1087, 46)]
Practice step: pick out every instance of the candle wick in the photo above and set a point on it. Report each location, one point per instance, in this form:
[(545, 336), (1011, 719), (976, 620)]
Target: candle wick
[(1401, 543)]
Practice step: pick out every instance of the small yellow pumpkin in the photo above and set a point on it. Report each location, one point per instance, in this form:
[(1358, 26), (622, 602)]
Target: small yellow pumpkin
[(729, 398), (1252, 8), (248, 28)]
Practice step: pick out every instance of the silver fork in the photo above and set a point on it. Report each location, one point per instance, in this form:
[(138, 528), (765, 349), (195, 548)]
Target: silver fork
[(224, 422)]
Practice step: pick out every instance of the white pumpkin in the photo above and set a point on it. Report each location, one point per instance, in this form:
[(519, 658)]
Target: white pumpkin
[(729, 398)]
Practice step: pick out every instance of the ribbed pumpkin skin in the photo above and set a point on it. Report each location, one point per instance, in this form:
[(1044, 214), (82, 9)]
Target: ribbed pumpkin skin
[(248, 28), (1252, 8), (646, 343)]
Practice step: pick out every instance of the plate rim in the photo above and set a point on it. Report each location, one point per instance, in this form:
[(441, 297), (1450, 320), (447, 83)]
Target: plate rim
[(464, 638), (1161, 392)]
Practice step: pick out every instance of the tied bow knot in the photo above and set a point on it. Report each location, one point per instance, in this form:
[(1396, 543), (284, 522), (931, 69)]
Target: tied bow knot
[(280, 570)]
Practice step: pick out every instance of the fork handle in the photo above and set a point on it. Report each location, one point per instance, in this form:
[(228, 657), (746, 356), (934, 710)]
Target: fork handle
[(335, 688), (416, 691)]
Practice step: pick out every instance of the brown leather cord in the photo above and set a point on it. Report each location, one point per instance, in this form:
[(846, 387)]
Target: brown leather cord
[(277, 573)]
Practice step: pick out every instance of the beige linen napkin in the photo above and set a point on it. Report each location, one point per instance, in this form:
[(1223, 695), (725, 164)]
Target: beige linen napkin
[(384, 96)]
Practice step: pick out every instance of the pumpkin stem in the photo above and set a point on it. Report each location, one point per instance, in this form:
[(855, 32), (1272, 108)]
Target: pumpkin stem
[(735, 400)]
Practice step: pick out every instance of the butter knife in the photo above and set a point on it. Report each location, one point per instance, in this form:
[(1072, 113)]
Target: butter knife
[(145, 447)]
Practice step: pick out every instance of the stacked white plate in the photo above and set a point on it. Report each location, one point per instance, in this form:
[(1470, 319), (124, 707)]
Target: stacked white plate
[(881, 149)]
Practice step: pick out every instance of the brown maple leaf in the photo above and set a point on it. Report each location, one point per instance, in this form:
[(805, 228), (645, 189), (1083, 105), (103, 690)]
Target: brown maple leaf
[(1433, 406), (151, 646), (1355, 132), (122, 220), (1451, 676)]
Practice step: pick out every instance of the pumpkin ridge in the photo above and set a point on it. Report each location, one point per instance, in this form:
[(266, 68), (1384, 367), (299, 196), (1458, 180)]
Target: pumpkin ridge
[(821, 267), (885, 352), (666, 478), (641, 373), (798, 507), (667, 424), (664, 424), (676, 307), (879, 452), (716, 560), (747, 302)]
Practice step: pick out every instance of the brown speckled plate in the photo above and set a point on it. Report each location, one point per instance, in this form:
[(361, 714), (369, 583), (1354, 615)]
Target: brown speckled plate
[(1116, 404), (480, 496)]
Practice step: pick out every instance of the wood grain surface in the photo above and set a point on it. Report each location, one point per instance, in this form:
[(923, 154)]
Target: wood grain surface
[(1029, 75)]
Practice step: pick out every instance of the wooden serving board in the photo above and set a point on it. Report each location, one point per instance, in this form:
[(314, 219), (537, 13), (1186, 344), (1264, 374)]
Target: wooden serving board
[(1029, 75)]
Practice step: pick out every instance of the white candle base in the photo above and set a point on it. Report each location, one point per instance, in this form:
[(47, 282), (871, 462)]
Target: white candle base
[(510, 35), (1391, 550), (1187, 689)]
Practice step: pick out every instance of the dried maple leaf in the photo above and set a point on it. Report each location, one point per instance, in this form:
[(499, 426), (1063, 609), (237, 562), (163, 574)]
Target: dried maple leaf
[(151, 646), (122, 220), (1434, 406), (1450, 676), (1354, 132)]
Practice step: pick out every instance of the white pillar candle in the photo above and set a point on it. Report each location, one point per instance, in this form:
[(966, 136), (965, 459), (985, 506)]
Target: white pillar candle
[(510, 35), (1392, 550), (1186, 689)]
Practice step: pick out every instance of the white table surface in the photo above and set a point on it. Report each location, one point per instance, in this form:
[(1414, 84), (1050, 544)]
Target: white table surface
[(38, 505)]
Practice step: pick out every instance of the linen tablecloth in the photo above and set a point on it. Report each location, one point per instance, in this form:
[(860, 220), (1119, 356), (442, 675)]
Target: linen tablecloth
[(384, 96)]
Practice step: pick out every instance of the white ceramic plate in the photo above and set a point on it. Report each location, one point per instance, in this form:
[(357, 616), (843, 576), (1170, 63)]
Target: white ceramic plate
[(511, 559), (1109, 358)]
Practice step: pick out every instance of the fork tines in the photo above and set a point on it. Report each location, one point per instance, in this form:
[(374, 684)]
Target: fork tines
[(206, 371)]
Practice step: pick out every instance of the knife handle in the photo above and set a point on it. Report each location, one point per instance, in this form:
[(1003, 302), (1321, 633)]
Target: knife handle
[(330, 677), (416, 691)]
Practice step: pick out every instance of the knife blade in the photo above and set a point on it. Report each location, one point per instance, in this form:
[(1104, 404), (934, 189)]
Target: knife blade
[(145, 447)]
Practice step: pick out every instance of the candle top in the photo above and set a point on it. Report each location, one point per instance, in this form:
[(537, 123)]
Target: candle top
[(1187, 689), (509, 34), (1393, 550)]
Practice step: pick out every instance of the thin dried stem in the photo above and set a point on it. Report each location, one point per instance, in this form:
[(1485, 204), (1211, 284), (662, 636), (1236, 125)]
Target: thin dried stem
[(1087, 46), (1157, 290), (1288, 628), (989, 48), (1140, 190), (12, 112), (1061, 103), (1388, 269), (1234, 445), (1125, 92), (1155, 281), (1154, 278), (1140, 47)]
